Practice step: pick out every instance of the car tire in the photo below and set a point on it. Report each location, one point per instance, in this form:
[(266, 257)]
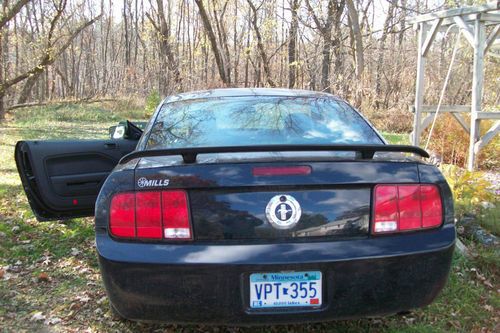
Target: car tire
[(115, 315), (403, 313)]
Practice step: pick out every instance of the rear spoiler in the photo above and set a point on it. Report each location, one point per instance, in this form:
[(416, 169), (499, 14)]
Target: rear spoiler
[(189, 154)]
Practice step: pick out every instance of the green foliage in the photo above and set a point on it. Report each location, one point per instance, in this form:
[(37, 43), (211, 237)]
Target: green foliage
[(469, 188), (487, 259), (489, 218), (152, 102), (470, 191)]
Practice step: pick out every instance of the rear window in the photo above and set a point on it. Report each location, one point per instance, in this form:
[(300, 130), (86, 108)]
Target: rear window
[(242, 121)]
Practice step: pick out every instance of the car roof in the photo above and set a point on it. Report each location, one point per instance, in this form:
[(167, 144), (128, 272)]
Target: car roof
[(240, 92)]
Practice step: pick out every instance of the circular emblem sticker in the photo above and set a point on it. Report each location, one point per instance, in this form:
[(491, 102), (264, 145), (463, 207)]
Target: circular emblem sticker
[(142, 182), (283, 211)]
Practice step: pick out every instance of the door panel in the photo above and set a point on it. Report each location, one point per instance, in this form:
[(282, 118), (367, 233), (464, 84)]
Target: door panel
[(62, 178)]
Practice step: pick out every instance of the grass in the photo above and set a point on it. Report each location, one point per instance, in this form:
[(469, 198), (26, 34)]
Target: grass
[(396, 138), (490, 218), (53, 273)]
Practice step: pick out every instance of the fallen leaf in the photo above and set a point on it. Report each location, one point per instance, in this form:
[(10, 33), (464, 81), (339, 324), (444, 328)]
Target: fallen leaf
[(75, 306), (488, 284), (2, 273), (43, 277), (52, 321), (37, 316), (83, 298), (488, 308), (101, 300)]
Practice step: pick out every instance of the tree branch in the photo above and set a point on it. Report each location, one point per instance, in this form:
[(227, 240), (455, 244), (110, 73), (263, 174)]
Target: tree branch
[(12, 12)]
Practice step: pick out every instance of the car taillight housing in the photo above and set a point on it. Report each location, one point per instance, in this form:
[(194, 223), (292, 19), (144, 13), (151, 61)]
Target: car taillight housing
[(153, 215), (400, 208)]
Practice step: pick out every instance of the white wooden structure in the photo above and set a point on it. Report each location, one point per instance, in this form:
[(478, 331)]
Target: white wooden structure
[(473, 23)]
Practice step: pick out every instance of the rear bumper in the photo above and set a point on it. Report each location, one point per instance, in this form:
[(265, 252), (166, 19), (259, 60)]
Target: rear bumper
[(210, 284)]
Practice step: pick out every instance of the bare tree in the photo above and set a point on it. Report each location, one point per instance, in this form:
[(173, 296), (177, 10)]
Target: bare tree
[(213, 42), (381, 45), (324, 26), (358, 39), (51, 53), (168, 46), (163, 31), (292, 43), (260, 45), (7, 15)]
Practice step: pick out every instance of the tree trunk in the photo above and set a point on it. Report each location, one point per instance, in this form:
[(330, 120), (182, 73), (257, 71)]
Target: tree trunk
[(2, 66), (213, 42), (292, 44), (260, 46), (28, 86), (168, 58), (381, 45), (403, 23), (325, 65), (336, 35), (325, 30), (126, 33), (358, 39)]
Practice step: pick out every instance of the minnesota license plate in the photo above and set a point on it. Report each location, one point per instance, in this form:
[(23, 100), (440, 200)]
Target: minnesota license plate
[(291, 289)]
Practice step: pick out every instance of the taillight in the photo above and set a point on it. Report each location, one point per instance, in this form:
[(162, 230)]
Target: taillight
[(122, 215), (399, 208), (150, 215)]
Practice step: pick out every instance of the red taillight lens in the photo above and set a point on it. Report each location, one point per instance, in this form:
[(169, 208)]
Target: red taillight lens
[(282, 171), (410, 213), (122, 215), (406, 207), (432, 207), (150, 215)]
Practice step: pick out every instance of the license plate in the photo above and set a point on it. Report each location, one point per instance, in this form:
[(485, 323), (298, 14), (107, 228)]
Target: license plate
[(291, 289)]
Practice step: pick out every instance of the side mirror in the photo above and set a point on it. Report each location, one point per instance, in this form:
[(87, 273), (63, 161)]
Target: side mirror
[(117, 132), (125, 130)]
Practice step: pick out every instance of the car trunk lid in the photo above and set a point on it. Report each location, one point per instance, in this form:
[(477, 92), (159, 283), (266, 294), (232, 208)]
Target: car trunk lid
[(230, 201)]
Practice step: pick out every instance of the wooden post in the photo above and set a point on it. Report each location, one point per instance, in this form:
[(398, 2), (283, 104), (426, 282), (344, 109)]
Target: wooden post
[(477, 88), (419, 87)]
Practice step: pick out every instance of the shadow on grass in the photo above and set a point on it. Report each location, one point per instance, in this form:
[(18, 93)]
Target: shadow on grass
[(28, 240)]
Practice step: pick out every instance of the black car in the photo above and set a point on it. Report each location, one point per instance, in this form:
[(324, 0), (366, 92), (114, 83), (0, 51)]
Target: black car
[(252, 206)]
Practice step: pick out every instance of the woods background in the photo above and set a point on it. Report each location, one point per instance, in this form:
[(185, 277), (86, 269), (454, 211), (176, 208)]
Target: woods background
[(362, 50)]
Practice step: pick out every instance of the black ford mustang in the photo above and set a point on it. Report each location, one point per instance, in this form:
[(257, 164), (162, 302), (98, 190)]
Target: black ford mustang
[(246, 206)]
